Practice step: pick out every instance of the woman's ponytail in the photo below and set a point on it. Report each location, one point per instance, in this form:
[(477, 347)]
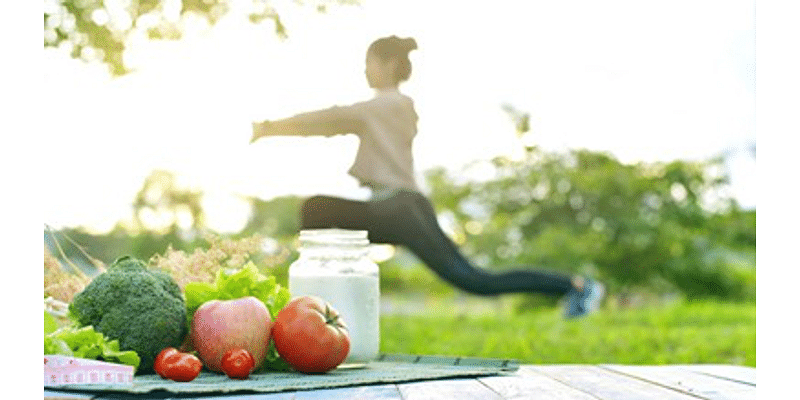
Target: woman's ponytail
[(408, 44)]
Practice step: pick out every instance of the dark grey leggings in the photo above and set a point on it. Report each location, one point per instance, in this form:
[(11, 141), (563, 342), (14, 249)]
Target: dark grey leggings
[(408, 219)]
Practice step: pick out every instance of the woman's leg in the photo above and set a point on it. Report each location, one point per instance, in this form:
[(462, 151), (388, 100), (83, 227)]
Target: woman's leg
[(409, 219), (321, 212)]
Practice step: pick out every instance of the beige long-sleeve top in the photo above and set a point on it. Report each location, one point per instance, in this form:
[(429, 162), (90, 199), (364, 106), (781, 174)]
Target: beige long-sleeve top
[(386, 126)]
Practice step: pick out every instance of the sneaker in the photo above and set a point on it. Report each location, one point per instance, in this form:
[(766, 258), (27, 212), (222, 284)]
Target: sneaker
[(586, 301)]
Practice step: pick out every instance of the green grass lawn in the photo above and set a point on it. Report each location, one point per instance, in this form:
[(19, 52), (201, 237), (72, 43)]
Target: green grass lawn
[(681, 333)]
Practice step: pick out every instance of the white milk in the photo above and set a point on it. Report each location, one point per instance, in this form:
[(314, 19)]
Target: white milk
[(333, 265), (356, 298)]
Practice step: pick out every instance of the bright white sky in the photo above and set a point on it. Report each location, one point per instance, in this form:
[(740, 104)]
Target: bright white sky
[(643, 80)]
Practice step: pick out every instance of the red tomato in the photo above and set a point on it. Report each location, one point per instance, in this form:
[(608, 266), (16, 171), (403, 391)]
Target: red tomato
[(182, 367), (310, 335), (237, 363), (158, 365)]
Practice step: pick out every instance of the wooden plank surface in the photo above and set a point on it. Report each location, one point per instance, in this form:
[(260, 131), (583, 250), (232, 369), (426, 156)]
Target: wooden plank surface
[(605, 384), (462, 389), (731, 372), (526, 384), (688, 381), (556, 382), (54, 395)]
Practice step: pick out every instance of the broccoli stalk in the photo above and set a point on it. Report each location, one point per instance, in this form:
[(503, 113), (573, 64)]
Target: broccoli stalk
[(141, 308)]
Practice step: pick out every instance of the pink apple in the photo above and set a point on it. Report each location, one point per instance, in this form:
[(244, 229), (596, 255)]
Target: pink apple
[(220, 325)]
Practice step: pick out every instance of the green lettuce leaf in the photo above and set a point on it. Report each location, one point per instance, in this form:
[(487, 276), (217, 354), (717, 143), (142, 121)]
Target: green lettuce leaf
[(87, 343), (50, 323), (56, 346), (229, 285)]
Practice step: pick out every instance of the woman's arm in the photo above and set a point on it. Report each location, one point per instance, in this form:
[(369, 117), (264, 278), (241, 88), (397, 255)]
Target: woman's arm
[(327, 122)]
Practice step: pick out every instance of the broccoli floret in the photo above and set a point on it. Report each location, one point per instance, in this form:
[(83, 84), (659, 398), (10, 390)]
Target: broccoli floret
[(141, 308)]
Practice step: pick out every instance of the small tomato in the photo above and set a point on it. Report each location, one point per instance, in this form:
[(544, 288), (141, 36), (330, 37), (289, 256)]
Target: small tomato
[(161, 358), (237, 363), (310, 335), (182, 367)]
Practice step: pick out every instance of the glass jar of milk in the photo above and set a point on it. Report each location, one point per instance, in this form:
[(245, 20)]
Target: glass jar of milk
[(334, 266)]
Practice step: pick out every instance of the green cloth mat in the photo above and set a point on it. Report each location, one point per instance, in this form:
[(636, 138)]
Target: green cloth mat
[(386, 369)]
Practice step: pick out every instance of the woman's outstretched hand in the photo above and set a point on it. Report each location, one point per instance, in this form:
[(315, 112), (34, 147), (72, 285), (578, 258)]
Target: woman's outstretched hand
[(259, 130)]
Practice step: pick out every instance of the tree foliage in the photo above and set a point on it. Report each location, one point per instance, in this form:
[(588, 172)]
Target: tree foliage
[(102, 29), (586, 212), (161, 201), (278, 218)]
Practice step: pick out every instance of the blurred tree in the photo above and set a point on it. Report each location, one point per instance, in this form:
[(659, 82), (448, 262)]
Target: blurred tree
[(100, 29), (161, 204), (521, 119), (583, 211), (278, 218)]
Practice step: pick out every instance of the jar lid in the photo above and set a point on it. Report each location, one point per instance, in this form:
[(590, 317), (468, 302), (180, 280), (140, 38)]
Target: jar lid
[(336, 236)]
